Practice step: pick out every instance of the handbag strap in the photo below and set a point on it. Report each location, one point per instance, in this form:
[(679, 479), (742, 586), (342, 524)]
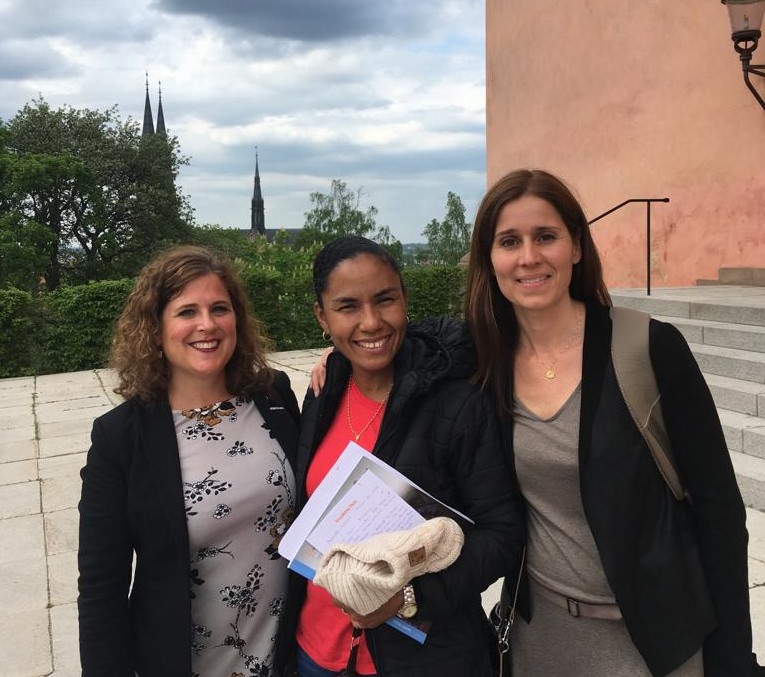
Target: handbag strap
[(637, 382), (350, 666), (506, 608)]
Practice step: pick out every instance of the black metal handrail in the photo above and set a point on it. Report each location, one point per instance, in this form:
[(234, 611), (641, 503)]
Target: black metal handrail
[(648, 201)]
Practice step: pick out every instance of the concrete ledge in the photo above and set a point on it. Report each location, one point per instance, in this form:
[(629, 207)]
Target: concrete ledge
[(752, 277), (754, 441), (738, 314), (744, 365), (750, 475), (734, 394), (654, 306), (733, 425)]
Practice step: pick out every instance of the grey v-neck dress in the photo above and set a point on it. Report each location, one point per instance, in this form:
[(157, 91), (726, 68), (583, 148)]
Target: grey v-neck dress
[(562, 555)]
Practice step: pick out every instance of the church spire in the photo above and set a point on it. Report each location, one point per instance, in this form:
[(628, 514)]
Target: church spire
[(160, 114), (257, 216), (148, 121)]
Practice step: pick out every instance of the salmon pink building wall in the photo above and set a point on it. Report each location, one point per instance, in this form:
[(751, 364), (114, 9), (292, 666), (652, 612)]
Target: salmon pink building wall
[(629, 99)]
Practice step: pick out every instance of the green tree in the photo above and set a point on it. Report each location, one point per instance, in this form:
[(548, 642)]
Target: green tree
[(106, 195), (23, 247), (448, 240), (230, 241), (340, 213)]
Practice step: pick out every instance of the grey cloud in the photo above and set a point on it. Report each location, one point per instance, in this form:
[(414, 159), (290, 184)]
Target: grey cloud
[(311, 20), (20, 60), (242, 107), (341, 161), (81, 21)]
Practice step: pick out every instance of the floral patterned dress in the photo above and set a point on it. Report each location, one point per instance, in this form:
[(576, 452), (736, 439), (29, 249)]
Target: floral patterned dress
[(239, 492)]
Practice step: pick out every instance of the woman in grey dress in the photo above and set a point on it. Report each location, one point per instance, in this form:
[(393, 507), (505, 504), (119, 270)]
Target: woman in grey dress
[(621, 578)]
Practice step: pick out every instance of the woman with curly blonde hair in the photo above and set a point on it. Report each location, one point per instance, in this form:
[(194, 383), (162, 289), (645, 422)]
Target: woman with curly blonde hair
[(190, 480), (140, 365)]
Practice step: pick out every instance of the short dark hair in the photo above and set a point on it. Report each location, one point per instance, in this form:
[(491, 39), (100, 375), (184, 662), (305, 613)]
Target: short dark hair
[(142, 371), (488, 313), (341, 249)]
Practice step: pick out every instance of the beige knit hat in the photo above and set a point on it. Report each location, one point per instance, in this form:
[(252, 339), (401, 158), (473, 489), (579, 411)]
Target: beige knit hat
[(365, 575)]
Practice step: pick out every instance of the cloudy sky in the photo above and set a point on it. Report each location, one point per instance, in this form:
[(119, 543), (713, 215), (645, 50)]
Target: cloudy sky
[(386, 95)]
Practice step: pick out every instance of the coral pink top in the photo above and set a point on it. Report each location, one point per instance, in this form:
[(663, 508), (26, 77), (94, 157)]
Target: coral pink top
[(324, 632)]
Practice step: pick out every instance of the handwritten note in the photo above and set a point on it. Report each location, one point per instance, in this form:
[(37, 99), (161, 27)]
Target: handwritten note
[(368, 508)]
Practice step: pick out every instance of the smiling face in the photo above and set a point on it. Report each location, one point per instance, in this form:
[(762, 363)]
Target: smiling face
[(198, 336), (533, 254), (364, 310)]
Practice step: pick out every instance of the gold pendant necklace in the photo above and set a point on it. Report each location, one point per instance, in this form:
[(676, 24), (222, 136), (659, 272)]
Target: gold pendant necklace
[(549, 372), (357, 435)]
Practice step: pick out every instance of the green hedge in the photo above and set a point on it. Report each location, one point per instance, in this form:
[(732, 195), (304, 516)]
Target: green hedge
[(434, 290), (79, 322), (283, 303), (70, 329), (19, 333)]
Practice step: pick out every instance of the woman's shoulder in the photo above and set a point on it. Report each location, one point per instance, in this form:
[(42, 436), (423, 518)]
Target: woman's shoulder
[(281, 380), (442, 346), (127, 411), (449, 331)]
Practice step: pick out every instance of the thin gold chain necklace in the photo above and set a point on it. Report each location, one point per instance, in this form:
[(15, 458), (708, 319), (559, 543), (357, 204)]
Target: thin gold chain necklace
[(549, 372), (357, 435)]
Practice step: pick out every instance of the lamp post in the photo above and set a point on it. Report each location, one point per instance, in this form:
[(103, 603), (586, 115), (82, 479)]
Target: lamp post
[(745, 21)]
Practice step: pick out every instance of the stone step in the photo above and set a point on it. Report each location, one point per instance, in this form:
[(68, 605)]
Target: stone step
[(753, 277), (723, 334), (750, 475), (741, 364), (734, 394), (743, 433), (734, 310), (678, 308)]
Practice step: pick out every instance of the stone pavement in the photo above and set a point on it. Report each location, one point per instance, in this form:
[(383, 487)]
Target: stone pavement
[(44, 436)]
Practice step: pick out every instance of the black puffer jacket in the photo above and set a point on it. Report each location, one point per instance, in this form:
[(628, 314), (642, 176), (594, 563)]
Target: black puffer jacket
[(441, 432)]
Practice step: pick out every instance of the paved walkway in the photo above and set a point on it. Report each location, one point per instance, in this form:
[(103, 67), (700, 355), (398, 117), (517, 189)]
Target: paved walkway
[(44, 435)]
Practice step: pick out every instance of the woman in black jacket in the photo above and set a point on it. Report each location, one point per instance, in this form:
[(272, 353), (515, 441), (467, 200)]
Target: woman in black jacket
[(622, 578), (191, 480), (401, 391)]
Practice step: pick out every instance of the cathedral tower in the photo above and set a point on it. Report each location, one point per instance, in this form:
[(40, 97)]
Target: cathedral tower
[(148, 120), (257, 216), (160, 114)]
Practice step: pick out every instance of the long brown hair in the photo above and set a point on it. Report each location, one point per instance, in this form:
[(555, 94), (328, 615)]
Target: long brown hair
[(489, 314), (135, 352)]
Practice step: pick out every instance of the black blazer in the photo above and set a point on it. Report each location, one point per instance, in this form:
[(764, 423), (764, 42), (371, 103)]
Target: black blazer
[(132, 502)]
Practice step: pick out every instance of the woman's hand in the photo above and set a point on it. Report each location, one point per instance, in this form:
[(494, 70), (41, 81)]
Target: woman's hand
[(377, 617), (319, 372)]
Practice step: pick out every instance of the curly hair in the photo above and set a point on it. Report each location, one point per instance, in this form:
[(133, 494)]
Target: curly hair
[(489, 314), (135, 352)]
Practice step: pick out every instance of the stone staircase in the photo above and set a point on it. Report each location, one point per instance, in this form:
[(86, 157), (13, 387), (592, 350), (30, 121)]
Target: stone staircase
[(751, 277), (725, 328)]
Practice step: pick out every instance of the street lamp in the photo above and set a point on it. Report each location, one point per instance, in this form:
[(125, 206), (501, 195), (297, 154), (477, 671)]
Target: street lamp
[(745, 22)]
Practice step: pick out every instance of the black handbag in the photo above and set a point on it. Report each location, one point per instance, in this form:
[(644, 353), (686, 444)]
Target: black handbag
[(502, 617)]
